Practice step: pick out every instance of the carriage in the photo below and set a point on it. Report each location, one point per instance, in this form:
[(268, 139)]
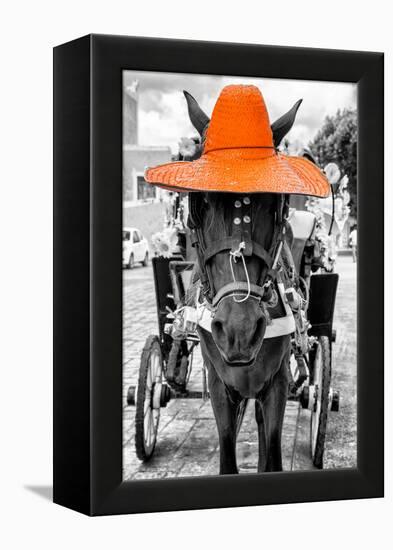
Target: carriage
[(167, 357)]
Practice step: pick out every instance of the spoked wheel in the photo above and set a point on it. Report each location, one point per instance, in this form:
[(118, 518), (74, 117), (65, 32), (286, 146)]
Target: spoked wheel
[(148, 399), (321, 386)]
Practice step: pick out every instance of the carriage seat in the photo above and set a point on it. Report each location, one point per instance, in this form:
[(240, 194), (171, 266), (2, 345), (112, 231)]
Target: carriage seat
[(303, 227)]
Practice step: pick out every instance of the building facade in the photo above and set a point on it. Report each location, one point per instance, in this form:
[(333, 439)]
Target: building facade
[(136, 158), (144, 205)]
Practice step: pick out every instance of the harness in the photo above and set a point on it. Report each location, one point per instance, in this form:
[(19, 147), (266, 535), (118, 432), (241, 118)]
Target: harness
[(239, 245)]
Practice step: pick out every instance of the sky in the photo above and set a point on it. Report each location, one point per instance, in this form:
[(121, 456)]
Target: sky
[(163, 117)]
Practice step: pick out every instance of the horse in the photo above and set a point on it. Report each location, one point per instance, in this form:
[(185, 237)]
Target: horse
[(241, 363)]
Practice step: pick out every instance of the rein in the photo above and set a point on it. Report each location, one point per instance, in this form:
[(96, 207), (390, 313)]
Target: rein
[(239, 244)]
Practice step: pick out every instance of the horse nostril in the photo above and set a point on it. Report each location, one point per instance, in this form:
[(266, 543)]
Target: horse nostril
[(218, 326)]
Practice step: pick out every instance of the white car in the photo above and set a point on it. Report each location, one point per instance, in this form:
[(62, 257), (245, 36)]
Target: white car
[(135, 247)]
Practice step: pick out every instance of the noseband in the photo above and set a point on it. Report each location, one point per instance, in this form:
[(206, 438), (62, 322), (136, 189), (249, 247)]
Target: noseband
[(239, 245)]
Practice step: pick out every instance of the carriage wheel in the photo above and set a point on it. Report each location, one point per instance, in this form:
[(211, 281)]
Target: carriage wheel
[(321, 384), (148, 399)]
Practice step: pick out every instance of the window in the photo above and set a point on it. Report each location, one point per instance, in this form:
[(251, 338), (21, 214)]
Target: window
[(126, 235), (136, 237), (145, 191)]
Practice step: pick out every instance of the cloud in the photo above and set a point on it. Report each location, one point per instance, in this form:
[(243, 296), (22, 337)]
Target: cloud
[(163, 117), (171, 82), (166, 123)]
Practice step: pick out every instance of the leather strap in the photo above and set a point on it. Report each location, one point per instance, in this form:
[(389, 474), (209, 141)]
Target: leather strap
[(259, 251), (228, 243), (218, 246), (236, 288)]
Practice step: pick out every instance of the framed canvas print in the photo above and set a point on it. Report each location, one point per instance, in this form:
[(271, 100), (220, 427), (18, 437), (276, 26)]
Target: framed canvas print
[(218, 275)]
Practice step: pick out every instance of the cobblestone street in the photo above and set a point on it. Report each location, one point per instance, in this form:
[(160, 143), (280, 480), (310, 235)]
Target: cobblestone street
[(187, 439)]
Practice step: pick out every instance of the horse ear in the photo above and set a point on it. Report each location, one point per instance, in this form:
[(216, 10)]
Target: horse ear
[(198, 118), (282, 125)]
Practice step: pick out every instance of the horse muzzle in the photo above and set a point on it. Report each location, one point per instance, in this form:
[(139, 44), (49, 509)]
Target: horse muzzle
[(238, 330)]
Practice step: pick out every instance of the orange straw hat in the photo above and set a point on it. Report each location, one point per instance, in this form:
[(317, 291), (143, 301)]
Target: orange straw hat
[(239, 155)]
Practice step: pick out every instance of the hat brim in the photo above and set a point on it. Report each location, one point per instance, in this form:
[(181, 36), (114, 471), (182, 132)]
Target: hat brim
[(223, 171)]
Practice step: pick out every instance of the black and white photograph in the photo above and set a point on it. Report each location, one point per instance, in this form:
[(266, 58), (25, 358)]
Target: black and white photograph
[(239, 257)]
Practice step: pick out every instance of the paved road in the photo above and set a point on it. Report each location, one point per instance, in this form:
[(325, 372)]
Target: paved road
[(187, 440)]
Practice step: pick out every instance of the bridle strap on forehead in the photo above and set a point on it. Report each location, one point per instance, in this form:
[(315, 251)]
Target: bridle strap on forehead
[(228, 243), (239, 288)]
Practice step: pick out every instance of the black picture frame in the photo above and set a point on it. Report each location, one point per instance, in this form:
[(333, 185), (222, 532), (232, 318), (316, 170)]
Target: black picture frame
[(88, 275)]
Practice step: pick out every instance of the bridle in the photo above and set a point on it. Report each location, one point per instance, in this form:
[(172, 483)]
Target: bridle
[(239, 245)]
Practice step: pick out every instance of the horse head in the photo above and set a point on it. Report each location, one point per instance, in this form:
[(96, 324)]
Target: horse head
[(236, 277)]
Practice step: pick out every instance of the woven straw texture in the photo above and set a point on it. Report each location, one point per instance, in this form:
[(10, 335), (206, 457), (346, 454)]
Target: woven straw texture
[(239, 156)]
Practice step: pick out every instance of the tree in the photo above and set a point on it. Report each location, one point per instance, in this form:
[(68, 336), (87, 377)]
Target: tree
[(336, 142)]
